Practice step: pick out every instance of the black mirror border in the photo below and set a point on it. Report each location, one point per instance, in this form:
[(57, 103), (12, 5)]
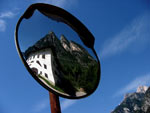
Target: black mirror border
[(85, 35)]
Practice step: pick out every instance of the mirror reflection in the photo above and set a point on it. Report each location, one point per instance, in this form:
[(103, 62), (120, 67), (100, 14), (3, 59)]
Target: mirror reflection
[(57, 56)]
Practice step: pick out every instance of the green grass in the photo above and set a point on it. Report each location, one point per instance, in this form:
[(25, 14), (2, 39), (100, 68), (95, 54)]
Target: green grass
[(51, 85)]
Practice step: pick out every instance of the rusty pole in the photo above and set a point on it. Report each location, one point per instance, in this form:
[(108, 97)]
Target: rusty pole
[(54, 103)]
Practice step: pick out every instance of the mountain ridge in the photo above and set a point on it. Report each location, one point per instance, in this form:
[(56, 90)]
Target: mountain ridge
[(137, 102)]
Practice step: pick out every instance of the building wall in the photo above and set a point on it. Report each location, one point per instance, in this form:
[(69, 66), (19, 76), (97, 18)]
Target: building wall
[(42, 61)]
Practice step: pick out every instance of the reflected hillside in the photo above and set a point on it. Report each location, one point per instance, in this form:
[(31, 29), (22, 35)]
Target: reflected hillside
[(63, 65)]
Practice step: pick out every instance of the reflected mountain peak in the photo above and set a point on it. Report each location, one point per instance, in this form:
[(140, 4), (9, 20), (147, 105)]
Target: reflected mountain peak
[(65, 43), (75, 47), (52, 34), (63, 39), (70, 45), (59, 47)]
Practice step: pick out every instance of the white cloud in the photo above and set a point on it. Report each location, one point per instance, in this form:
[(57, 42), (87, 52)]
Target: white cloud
[(137, 30), (3, 17), (60, 3), (42, 105), (8, 14), (2, 25), (67, 103), (134, 84)]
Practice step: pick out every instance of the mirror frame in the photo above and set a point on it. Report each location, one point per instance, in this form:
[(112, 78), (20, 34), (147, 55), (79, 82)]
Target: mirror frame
[(61, 15)]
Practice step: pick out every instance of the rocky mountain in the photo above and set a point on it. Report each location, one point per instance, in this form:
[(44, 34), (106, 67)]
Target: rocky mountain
[(146, 102), (137, 102), (61, 48), (142, 89), (77, 67), (48, 41)]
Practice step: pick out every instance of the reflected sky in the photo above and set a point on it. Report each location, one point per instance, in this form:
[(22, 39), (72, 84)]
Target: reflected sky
[(33, 29)]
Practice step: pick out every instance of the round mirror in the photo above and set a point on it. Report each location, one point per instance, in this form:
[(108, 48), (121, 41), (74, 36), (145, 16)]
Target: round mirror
[(56, 54)]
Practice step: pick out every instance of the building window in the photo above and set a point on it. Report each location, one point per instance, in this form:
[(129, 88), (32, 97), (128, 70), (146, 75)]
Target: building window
[(45, 66), (38, 63), (35, 71), (38, 56), (40, 72), (43, 56), (32, 61), (46, 75)]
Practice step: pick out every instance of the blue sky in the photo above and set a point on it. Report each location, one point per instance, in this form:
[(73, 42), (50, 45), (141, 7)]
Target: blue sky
[(38, 26), (122, 42)]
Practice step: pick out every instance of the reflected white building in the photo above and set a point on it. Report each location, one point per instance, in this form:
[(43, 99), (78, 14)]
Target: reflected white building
[(41, 62)]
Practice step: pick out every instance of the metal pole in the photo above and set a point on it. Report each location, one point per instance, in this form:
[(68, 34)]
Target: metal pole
[(54, 103)]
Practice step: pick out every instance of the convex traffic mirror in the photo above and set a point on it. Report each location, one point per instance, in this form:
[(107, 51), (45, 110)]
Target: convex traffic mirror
[(57, 50)]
